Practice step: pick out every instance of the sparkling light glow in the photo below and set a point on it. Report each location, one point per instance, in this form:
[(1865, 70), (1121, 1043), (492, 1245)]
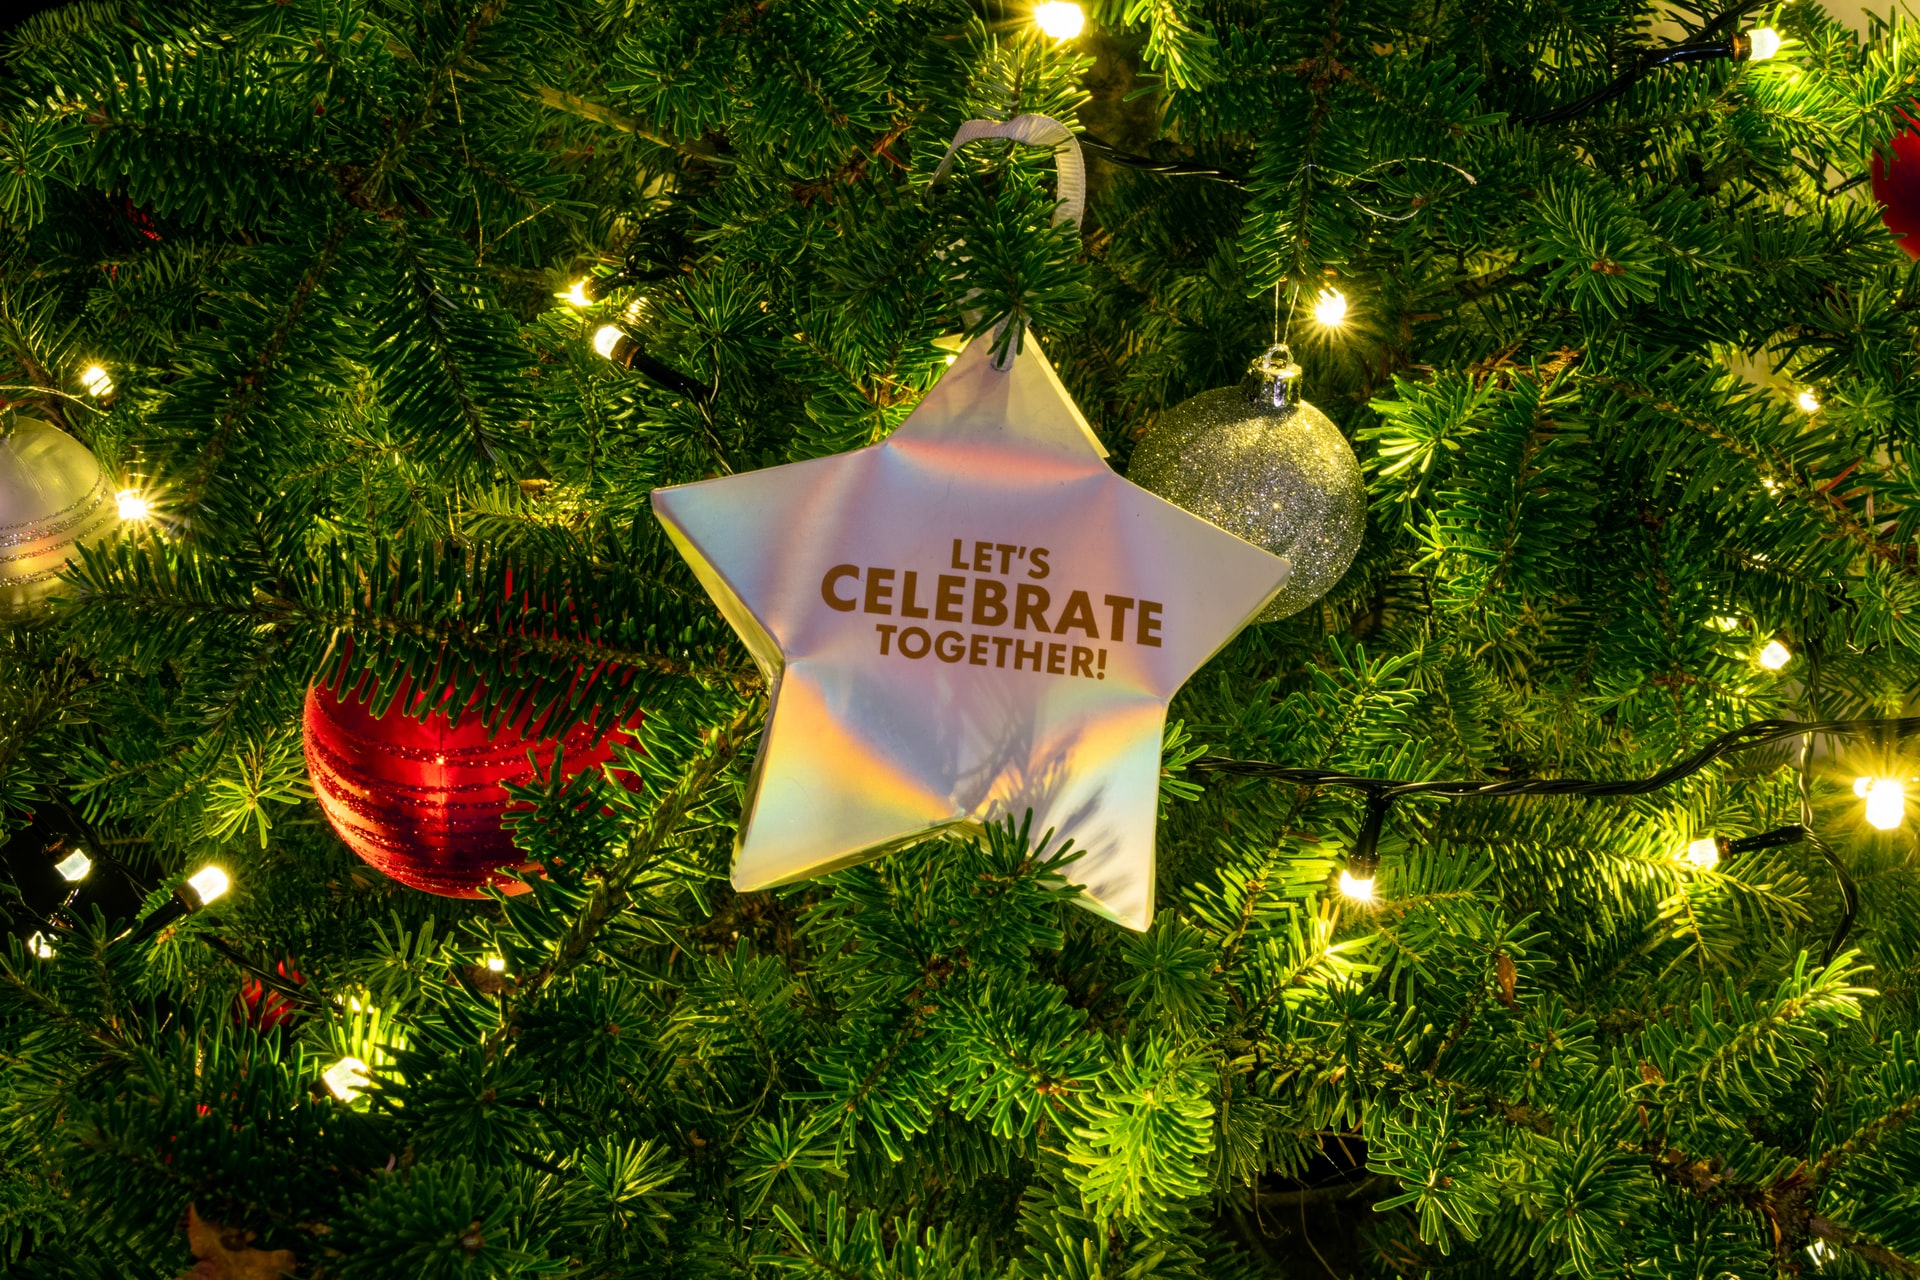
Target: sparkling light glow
[(497, 964), (74, 866), (1059, 19), (345, 1078), (209, 883), (1809, 401), (1352, 886), (605, 339), (1762, 43), (1330, 308), (577, 294), (1775, 656), (132, 506), (40, 947), (1886, 802), (1703, 853), (96, 381)]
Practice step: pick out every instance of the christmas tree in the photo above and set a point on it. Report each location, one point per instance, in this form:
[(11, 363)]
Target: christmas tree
[(360, 335)]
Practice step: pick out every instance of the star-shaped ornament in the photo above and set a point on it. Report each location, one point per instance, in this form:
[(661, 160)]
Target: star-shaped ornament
[(971, 619)]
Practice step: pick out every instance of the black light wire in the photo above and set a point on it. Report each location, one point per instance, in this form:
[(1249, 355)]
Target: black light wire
[(1382, 792), (1716, 41)]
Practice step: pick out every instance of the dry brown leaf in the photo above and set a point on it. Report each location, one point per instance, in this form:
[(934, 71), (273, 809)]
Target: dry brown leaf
[(1503, 970), (226, 1254)]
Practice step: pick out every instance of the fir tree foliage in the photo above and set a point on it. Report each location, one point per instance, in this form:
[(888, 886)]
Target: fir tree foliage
[(322, 249)]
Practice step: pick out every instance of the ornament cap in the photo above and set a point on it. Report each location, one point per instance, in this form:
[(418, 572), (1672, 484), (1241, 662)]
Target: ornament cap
[(1273, 380)]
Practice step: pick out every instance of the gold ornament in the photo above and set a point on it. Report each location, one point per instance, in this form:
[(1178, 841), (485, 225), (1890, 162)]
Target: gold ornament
[(972, 619), (1264, 464), (52, 496)]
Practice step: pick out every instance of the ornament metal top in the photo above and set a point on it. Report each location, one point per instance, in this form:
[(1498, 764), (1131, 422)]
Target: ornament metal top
[(971, 619), (1265, 465), (52, 496)]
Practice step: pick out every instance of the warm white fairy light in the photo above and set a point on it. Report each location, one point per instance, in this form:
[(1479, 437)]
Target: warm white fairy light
[(1886, 801), (97, 381), (74, 866), (209, 883), (132, 505), (496, 964), (1330, 308), (606, 338), (1808, 401), (1703, 853), (1356, 888), (1774, 656), (576, 294), (346, 1078), (1059, 19), (41, 948), (1762, 43)]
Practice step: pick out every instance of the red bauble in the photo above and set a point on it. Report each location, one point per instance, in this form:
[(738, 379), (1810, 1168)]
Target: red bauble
[(1896, 185), (423, 801), (260, 1006)]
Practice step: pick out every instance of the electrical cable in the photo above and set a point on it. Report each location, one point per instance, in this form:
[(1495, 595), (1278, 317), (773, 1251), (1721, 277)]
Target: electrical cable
[(1380, 794)]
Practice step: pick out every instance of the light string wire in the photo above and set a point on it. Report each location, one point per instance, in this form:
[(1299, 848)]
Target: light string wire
[(1716, 42), (1382, 792)]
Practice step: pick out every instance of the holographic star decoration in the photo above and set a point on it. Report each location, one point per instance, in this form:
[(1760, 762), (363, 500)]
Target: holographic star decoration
[(970, 620)]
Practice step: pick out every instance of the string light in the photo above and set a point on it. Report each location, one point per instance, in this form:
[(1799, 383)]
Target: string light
[(346, 1079), (209, 883), (1774, 656), (1703, 853), (1762, 43), (40, 947), (607, 339), (577, 294), (1059, 19), (1886, 801), (1356, 888), (1808, 401), (132, 505), (98, 383), (496, 964), (74, 866), (1330, 308)]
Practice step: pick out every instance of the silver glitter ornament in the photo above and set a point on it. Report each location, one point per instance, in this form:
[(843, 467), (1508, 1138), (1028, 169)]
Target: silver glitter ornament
[(1266, 466), (52, 496)]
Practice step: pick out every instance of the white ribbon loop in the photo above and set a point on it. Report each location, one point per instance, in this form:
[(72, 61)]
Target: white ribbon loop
[(1034, 131)]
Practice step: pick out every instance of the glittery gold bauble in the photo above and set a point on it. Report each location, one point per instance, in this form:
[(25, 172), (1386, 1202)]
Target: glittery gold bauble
[(52, 496), (1264, 465)]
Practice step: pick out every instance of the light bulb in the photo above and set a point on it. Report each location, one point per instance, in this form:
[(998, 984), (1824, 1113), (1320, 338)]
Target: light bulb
[(41, 948), (74, 866), (132, 506), (1355, 887), (606, 338), (1703, 853), (1861, 787), (577, 294), (1775, 656), (496, 964), (1808, 401), (209, 883), (1330, 308), (96, 381), (1886, 803), (1059, 19), (1762, 43), (345, 1078)]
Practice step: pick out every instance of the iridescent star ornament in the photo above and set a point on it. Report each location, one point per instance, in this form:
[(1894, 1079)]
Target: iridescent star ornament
[(970, 620)]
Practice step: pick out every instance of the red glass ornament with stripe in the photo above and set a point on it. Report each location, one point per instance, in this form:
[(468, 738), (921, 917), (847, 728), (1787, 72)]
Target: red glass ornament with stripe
[(422, 801), (1896, 185)]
